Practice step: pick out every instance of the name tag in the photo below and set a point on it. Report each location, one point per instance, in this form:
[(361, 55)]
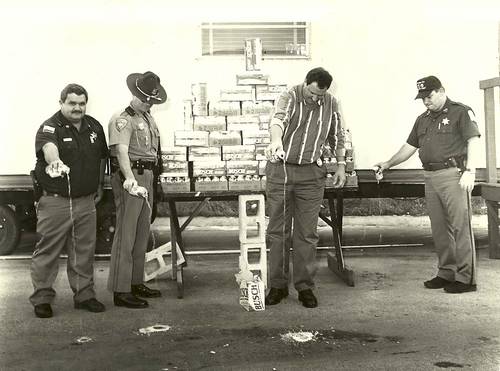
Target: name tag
[(67, 139)]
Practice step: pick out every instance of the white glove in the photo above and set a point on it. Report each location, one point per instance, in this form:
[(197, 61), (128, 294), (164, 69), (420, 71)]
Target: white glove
[(129, 183), (467, 180), (139, 191), (56, 168)]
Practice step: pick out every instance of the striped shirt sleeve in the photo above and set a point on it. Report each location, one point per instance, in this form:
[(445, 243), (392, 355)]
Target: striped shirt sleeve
[(280, 114), (336, 135)]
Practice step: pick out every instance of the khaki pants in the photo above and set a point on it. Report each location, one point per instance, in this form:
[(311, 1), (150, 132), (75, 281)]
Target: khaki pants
[(450, 214), (55, 227), (300, 207), (133, 220)]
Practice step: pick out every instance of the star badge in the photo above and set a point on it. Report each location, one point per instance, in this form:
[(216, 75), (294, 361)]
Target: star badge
[(445, 121)]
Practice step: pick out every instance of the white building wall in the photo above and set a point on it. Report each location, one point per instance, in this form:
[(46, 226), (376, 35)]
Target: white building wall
[(375, 50)]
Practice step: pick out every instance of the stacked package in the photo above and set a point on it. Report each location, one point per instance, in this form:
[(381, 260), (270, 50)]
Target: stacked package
[(224, 140), (175, 170), (331, 163)]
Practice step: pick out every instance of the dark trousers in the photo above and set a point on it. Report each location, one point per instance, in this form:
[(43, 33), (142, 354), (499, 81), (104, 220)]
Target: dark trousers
[(294, 197)]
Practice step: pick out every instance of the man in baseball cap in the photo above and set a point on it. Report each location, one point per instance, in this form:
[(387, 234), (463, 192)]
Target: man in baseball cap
[(134, 142), (426, 85), (446, 136)]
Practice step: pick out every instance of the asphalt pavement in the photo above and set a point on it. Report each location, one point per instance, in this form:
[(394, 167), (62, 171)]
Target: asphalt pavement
[(387, 321)]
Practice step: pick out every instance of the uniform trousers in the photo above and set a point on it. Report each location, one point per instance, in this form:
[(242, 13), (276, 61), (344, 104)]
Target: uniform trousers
[(59, 227), (449, 210), (133, 221), (294, 197)]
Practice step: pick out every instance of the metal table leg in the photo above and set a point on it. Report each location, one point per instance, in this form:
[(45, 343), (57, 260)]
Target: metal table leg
[(336, 260)]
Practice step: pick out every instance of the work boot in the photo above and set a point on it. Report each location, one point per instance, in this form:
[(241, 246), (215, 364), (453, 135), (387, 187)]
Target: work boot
[(92, 305), (275, 295), (459, 287), (43, 310), (437, 283), (126, 299), (145, 292), (308, 299)]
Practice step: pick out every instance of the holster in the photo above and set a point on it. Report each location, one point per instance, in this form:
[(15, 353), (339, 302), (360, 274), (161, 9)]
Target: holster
[(37, 188)]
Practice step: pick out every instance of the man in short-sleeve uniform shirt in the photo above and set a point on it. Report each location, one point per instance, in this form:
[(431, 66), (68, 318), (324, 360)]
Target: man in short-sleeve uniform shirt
[(447, 138), (70, 146), (134, 142)]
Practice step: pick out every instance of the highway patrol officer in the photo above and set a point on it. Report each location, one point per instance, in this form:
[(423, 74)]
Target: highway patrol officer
[(70, 147), (447, 137), (134, 142)]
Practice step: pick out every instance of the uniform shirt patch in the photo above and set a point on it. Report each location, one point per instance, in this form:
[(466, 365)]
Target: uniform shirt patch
[(120, 124), (471, 115), (93, 137), (49, 129)]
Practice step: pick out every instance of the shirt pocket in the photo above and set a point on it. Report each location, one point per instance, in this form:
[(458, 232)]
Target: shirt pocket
[(68, 149), (421, 131), (445, 135), (141, 135)]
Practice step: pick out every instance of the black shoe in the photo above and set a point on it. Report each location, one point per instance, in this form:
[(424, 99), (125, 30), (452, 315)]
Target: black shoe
[(43, 310), (145, 292), (459, 287), (275, 295), (437, 283), (308, 299), (126, 299), (92, 305)]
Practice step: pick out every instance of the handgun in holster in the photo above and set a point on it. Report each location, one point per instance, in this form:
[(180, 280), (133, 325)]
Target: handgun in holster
[(114, 167), (457, 161), (37, 188)]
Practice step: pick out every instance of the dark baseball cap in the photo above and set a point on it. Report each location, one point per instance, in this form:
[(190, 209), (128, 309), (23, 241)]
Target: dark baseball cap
[(426, 85)]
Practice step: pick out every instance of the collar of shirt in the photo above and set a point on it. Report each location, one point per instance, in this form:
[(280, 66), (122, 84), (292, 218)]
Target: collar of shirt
[(63, 121), (444, 109)]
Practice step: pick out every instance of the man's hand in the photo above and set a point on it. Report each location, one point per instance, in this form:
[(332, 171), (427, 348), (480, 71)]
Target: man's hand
[(139, 191), (382, 166), (339, 177), (272, 149), (129, 184), (56, 168), (467, 180)]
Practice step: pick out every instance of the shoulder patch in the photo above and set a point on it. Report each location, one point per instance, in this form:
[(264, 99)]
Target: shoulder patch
[(49, 129), (471, 115), (121, 123)]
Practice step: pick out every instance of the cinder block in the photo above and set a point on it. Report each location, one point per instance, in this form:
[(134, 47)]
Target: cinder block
[(251, 227), (260, 266), (158, 261)]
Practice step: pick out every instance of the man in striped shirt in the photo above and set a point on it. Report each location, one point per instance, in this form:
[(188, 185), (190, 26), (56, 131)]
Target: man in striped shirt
[(305, 123)]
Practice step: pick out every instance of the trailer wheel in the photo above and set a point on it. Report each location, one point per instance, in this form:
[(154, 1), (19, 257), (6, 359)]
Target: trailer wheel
[(9, 230)]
